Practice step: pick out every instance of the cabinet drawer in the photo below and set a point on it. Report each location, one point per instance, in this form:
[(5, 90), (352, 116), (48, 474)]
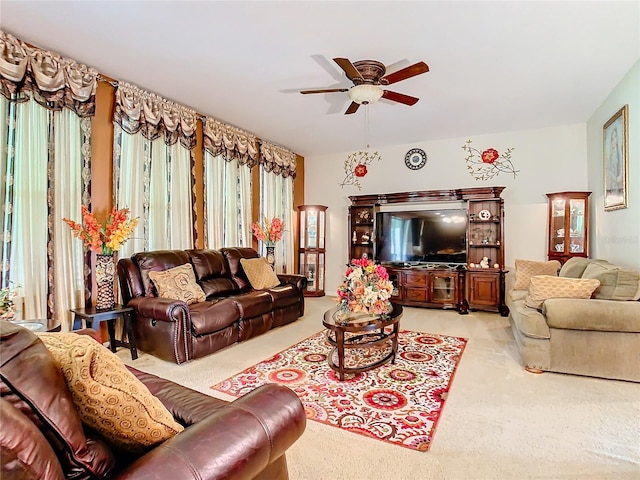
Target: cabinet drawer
[(415, 295), (419, 280)]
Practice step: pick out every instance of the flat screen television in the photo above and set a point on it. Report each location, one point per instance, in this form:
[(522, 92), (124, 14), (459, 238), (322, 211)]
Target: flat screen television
[(421, 236)]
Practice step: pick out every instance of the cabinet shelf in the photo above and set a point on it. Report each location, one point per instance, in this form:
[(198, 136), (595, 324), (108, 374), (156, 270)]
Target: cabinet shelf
[(568, 225), (484, 221), (311, 248)]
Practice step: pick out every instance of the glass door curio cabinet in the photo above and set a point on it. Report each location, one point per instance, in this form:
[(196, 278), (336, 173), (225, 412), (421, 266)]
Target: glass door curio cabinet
[(568, 225), (312, 221)]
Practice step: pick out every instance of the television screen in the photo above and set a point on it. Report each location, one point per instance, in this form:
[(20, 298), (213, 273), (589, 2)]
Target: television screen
[(421, 236)]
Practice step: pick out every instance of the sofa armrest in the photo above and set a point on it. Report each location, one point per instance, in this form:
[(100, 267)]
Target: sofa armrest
[(165, 309), (592, 314), (299, 281), (235, 442)]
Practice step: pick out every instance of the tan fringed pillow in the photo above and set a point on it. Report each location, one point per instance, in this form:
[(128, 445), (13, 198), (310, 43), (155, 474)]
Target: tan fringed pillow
[(178, 283), (259, 273), (525, 269), (108, 397), (542, 287)]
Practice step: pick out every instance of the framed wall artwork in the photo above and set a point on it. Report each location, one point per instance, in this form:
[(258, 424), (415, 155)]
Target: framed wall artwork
[(615, 160)]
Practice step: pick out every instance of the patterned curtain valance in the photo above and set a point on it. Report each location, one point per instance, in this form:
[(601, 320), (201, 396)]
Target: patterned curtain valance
[(55, 82), (277, 159), (140, 111), (230, 142)]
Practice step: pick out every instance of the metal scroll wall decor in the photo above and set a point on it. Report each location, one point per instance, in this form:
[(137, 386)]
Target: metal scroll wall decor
[(488, 163)]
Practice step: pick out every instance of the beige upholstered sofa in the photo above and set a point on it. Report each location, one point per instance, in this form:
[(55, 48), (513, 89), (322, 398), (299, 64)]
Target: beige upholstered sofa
[(597, 336)]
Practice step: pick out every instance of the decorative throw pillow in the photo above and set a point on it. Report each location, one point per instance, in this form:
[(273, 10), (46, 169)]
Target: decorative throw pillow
[(178, 283), (615, 283), (525, 269), (542, 287), (108, 397), (259, 273)]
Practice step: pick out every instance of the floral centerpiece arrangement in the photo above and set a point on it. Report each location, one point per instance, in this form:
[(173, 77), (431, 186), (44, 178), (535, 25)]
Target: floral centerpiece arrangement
[(7, 304), (365, 288), (269, 231), (107, 237)]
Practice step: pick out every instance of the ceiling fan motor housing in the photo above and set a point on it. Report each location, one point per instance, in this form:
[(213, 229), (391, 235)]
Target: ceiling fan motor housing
[(371, 71)]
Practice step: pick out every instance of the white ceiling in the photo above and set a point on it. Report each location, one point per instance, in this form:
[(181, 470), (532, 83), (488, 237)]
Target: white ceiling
[(495, 66)]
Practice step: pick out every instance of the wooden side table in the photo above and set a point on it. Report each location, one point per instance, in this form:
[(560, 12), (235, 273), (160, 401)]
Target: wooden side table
[(91, 315)]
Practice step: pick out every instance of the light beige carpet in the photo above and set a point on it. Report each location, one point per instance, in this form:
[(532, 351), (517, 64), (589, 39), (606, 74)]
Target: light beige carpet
[(499, 422)]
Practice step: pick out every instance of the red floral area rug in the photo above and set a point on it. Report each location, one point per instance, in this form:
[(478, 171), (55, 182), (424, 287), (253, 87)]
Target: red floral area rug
[(399, 403)]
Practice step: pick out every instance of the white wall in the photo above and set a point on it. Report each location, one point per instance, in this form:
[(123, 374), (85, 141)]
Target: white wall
[(615, 235), (548, 160)]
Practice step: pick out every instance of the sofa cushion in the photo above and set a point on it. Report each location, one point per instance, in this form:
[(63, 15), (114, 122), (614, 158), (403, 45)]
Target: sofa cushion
[(213, 315), (284, 295), (615, 283), (233, 256), (525, 269), (529, 321), (259, 272), (33, 383), (178, 283), (108, 397), (25, 448), (542, 287), (212, 272), (592, 314), (253, 303), (574, 267), (157, 261)]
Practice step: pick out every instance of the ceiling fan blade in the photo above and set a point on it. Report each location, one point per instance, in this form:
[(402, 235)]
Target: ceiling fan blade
[(352, 108), (408, 72), (351, 71), (399, 97), (327, 90)]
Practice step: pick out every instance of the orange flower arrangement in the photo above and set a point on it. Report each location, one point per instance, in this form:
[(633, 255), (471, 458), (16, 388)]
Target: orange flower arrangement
[(107, 237), (269, 232)]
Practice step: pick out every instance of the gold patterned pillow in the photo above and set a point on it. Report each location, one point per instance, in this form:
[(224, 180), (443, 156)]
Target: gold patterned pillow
[(178, 283), (107, 396), (525, 269), (542, 287), (259, 273)]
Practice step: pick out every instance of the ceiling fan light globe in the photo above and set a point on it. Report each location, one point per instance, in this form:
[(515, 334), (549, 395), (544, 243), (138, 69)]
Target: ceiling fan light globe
[(365, 94)]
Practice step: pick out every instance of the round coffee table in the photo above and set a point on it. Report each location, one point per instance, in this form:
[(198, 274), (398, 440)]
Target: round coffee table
[(366, 337)]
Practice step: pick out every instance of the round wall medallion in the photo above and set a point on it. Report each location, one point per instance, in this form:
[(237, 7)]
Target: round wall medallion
[(415, 158)]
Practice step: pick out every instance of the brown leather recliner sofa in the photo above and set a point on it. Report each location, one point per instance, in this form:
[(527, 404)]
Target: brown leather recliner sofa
[(232, 312), (42, 437)]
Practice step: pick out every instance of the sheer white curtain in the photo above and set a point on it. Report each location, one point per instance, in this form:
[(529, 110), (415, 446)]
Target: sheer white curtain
[(227, 202), (132, 194), (29, 232), (37, 228), (68, 252), (276, 200), (154, 181)]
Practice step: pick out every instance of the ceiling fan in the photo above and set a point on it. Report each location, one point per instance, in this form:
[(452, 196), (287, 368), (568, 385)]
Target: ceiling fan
[(368, 77)]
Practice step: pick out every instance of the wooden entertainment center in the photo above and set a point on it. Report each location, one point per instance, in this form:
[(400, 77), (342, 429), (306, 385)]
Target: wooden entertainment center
[(477, 285)]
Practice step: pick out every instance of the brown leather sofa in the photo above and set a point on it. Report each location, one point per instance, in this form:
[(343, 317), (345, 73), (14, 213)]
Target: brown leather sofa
[(232, 312), (42, 437)]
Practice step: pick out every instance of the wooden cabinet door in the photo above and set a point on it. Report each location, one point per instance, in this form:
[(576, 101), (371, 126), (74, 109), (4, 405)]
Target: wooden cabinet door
[(444, 288), (484, 289)]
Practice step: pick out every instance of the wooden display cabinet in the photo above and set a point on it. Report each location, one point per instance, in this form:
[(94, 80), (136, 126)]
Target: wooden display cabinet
[(568, 225), (361, 231), (486, 274), (311, 250), (480, 286)]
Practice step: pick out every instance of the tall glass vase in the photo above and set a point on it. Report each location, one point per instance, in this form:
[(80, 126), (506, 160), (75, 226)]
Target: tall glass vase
[(271, 256), (105, 273)]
